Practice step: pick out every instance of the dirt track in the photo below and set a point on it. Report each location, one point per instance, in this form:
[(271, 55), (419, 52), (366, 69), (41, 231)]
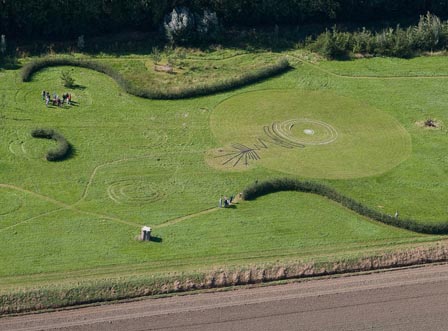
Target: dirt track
[(407, 299)]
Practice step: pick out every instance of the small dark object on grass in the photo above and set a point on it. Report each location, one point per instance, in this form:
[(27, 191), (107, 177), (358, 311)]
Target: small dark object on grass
[(430, 123)]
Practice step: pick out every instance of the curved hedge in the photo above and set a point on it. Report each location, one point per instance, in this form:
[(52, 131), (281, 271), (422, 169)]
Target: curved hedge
[(174, 93), (286, 184), (63, 149)]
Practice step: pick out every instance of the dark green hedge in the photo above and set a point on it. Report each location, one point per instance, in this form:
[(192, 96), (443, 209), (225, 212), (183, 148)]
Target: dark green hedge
[(69, 19), (63, 149), (172, 93), (286, 184)]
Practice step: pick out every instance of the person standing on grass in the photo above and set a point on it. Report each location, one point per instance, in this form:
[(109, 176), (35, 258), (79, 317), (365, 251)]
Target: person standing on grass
[(44, 94)]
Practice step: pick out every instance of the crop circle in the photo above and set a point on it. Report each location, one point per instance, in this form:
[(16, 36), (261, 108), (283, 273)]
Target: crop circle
[(308, 133), (305, 131)]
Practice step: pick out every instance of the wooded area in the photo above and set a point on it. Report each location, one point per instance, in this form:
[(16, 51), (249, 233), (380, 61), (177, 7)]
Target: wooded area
[(67, 19)]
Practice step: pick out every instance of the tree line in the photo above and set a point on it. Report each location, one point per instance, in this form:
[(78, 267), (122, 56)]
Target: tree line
[(70, 18)]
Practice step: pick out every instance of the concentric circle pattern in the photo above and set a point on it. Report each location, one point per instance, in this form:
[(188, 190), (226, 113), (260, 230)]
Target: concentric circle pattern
[(306, 133), (134, 191)]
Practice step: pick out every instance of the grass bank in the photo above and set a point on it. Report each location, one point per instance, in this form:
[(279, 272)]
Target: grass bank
[(152, 285)]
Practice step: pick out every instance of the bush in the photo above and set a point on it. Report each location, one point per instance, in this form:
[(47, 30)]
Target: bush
[(332, 44), (172, 93), (67, 79), (430, 34), (286, 184), (63, 149)]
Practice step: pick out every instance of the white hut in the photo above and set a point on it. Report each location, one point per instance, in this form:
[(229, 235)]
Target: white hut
[(145, 233)]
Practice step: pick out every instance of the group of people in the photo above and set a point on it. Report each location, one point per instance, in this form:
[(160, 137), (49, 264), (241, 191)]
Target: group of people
[(56, 100)]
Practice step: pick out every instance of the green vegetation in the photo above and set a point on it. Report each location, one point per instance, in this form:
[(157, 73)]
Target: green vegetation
[(285, 184), (132, 82), (63, 149), (67, 79), (36, 19), (153, 162), (312, 133), (430, 34)]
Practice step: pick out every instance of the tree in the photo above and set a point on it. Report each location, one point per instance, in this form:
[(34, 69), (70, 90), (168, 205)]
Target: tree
[(183, 26), (81, 43), (2, 44), (155, 55), (67, 79), (179, 25)]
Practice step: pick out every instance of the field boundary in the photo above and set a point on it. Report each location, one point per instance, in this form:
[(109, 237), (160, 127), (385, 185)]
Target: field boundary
[(54, 297)]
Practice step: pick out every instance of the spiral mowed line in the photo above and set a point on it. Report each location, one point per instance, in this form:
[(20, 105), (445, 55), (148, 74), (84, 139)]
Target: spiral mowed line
[(316, 134)]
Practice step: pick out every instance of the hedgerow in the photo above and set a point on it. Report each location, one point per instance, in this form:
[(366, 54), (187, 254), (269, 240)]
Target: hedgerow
[(62, 150), (430, 34), (287, 184), (162, 93)]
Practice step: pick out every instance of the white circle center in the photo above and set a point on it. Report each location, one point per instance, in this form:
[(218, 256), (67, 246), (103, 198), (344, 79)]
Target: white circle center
[(308, 131)]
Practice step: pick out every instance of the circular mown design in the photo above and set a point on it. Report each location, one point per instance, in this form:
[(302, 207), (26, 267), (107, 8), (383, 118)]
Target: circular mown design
[(134, 191), (30, 148), (307, 133)]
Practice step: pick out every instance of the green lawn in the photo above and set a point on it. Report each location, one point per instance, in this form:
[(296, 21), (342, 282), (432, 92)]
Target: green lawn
[(144, 162)]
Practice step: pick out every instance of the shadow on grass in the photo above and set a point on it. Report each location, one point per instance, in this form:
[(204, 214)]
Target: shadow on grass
[(78, 87), (156, 239)]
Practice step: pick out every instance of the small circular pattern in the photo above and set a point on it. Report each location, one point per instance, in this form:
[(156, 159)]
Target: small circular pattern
[(29, 148), (134, 191), (297, 131)]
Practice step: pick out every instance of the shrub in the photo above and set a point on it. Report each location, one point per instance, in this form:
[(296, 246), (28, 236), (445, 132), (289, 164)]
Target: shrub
[(287, 184), (62, 150), (428, 35), (332, 44), (155, 55), (67, 79), (173, 93)]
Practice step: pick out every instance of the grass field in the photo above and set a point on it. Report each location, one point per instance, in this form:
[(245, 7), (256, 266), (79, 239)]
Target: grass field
[(158, 163)]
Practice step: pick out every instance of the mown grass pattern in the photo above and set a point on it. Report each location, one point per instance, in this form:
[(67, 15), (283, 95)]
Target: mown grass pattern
[(287, 184)]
